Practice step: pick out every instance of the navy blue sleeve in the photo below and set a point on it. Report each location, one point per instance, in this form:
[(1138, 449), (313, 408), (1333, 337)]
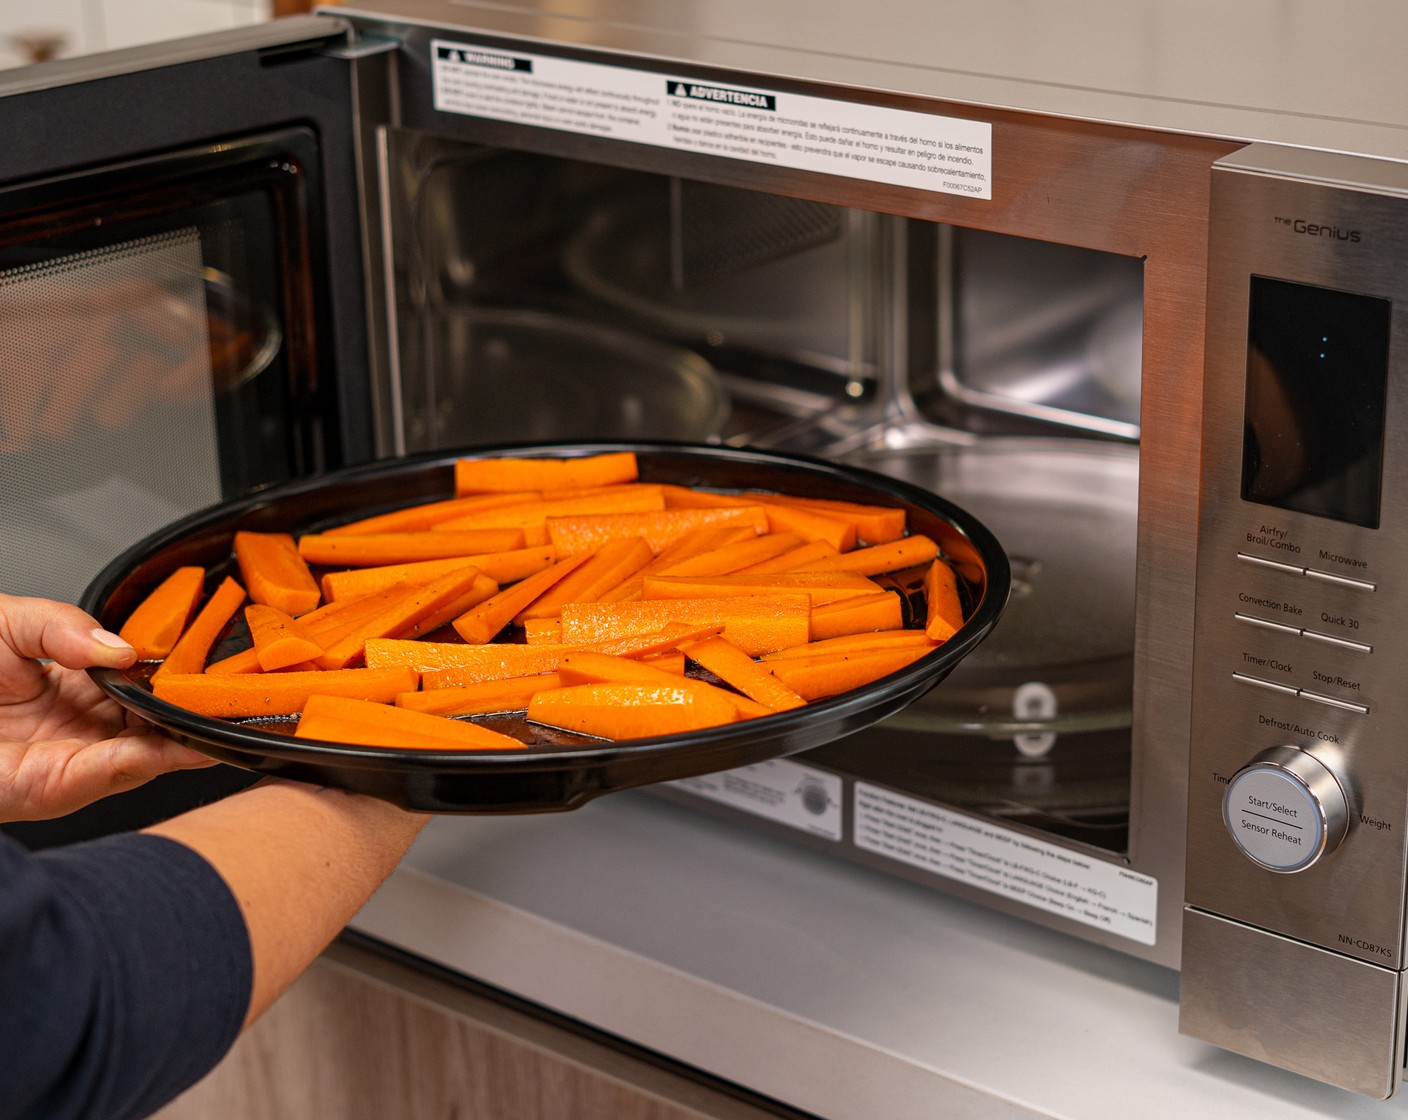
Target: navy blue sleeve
[(125, 974)]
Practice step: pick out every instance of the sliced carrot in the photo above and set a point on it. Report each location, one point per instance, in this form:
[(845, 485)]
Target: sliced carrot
[(406, 609), (416, 518), (659, 528), (630, 710), (276, 694), (672, 662), (338, 719), (585, 667), (816, 679), (477, 592), (536, 631), (756, 624), (275, 573), (873, 524), (652, 643), (480, 699), (903, 553), (944, 610), (811, 524), (686, 497), (279, 641), (156, 623), (379, 549), (472, 475), (191, 649), (534, 515), (857, 643), (819, 587), (733, 557), (487, 662), (795, 561), (734, 667), (481, 623), (610, 565), (502, 567), (325, 625), (692, 543), (882, 611)]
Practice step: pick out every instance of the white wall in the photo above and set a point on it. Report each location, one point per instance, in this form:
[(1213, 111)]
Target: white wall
[(85, 26)]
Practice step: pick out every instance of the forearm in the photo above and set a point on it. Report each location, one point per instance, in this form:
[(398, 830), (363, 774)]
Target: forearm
[(300, 862)]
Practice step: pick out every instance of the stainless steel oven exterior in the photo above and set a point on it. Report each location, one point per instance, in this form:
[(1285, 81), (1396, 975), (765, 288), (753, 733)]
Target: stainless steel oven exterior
[(1210, 147)]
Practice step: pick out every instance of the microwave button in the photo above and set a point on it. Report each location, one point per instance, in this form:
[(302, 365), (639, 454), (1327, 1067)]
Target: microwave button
[(1258, 682), (1344, 643), (1335, 702), (1285, 809), (1263, 562), (1267, 624), (1342, 581)]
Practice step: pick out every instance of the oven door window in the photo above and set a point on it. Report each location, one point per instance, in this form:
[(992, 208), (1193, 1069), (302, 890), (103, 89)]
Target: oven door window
[(154, 353)]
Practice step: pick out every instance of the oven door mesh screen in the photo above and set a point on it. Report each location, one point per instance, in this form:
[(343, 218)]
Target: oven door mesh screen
[(107, 408)]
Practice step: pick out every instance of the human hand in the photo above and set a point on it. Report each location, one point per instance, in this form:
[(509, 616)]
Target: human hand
[(63, 743)]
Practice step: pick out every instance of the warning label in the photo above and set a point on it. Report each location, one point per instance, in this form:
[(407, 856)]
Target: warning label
[(894, 146)]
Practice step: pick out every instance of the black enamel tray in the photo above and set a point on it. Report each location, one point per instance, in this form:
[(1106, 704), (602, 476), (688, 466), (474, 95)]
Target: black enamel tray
[(556, 770)]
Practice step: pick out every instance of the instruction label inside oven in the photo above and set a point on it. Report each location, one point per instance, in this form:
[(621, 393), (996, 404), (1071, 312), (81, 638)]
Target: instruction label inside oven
[(895, 146), (1007, 863), (786, 792)]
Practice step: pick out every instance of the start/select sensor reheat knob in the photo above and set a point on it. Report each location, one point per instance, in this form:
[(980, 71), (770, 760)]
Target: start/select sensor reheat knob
[(1285, 809)]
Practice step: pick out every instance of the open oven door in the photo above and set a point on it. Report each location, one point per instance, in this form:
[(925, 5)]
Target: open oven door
[(183, 316)]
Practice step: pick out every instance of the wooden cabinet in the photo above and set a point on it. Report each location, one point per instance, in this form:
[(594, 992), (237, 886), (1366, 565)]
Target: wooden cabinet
[(360, 1037)]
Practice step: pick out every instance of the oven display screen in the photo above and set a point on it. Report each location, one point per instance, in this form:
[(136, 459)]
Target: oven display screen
[(1317, 371)]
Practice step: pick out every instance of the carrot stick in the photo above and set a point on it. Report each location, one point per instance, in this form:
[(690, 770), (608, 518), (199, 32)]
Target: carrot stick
[(795, 561), (811, 524), (483, 698), (502, 567), (823, 677), (819, 587), (481, 589), (279, 641), (617, 499), (692, 543), (857, 643), (629, 710), (687, 497), (756, 624), (544, 474), (481, 623), (324, 625), (536, 631), (274, 572), (873, 524), (379, 549), (337, 719), (156, 623), (882, 611), (903, 553), (406, 609), (734, 667), (276, 694), (191, 649), (416, 518), (944, 611), (733, 557), (659, 528), (611, 564), (586, 667)]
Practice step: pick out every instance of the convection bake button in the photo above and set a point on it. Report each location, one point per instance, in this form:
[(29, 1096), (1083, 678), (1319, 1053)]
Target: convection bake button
[(1263, 562), (1267, 624), (1335, 702), (1258, 682), (1285, 809), (1343, 643), (1342, 581)]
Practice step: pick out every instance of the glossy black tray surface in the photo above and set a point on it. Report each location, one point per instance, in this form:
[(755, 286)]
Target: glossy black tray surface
[(555, 770)]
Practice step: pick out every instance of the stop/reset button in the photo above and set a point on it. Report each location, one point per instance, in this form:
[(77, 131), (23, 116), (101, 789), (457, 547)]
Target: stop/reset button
[(1285, 809)]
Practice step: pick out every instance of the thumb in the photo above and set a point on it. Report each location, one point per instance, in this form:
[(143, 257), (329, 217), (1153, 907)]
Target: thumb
[(43, 628)]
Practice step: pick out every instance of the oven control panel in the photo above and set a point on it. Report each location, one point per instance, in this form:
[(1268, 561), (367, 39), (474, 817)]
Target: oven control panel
[(1298, 765)]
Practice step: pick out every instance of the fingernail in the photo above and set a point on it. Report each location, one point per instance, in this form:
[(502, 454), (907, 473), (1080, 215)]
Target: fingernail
[(108, 638)]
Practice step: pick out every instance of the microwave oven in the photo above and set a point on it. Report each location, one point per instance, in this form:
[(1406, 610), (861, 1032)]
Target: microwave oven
[(1138, 308)]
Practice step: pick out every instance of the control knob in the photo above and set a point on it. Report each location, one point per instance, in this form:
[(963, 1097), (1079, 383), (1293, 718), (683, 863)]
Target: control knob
[(1285, 809)]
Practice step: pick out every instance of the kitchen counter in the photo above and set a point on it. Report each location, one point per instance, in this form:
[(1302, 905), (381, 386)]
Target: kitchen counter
[(834, 989)]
